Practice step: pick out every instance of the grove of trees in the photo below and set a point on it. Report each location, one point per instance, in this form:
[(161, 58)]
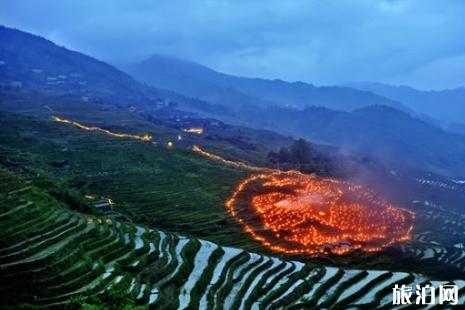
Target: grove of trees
[(301, 156)]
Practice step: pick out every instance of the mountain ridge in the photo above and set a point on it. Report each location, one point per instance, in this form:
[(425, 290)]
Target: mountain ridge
[(446, 105), (193, 79)]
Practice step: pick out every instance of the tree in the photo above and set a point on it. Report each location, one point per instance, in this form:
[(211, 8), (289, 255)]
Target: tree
[(273, 157), (301, 151), (284, 156)]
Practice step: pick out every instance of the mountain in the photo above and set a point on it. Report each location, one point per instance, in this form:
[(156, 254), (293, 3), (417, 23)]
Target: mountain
[(196, 80), (390, 136), (190, 79), (29, 61), (387, 134), (444, 105), (355, 121)]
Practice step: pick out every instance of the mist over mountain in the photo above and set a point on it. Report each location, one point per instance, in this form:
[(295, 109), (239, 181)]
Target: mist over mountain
[(388, 135), (199, 81), (443, 105)]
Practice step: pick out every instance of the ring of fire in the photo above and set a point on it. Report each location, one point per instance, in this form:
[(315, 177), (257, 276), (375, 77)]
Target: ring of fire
[(301, 214)]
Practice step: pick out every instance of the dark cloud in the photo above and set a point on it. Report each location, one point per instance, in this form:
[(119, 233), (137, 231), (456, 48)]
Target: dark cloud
[(324, 42)]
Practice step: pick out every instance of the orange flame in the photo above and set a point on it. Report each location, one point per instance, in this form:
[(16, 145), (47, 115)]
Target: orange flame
[(237, 164), (145, 138), (301, 214)]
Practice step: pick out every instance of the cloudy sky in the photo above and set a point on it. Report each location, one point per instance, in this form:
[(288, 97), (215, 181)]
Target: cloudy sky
[(420, 42)]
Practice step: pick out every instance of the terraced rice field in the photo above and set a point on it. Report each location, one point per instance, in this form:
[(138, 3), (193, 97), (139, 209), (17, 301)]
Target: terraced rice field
[(172, 189), (49, 254), (442, 242)]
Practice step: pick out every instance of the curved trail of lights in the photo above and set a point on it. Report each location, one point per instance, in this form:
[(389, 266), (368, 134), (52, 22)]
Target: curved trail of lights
[(145, 137), (237, 164)]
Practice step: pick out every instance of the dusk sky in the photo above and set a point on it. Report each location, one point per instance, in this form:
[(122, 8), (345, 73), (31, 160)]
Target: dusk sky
[(419, 43)]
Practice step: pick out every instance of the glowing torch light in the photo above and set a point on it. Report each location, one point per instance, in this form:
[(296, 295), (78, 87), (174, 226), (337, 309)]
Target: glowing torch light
[(145, 138)]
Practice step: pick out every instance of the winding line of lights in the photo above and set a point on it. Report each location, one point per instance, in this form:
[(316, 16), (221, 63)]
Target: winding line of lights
[(237, 164), (145, 137)]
